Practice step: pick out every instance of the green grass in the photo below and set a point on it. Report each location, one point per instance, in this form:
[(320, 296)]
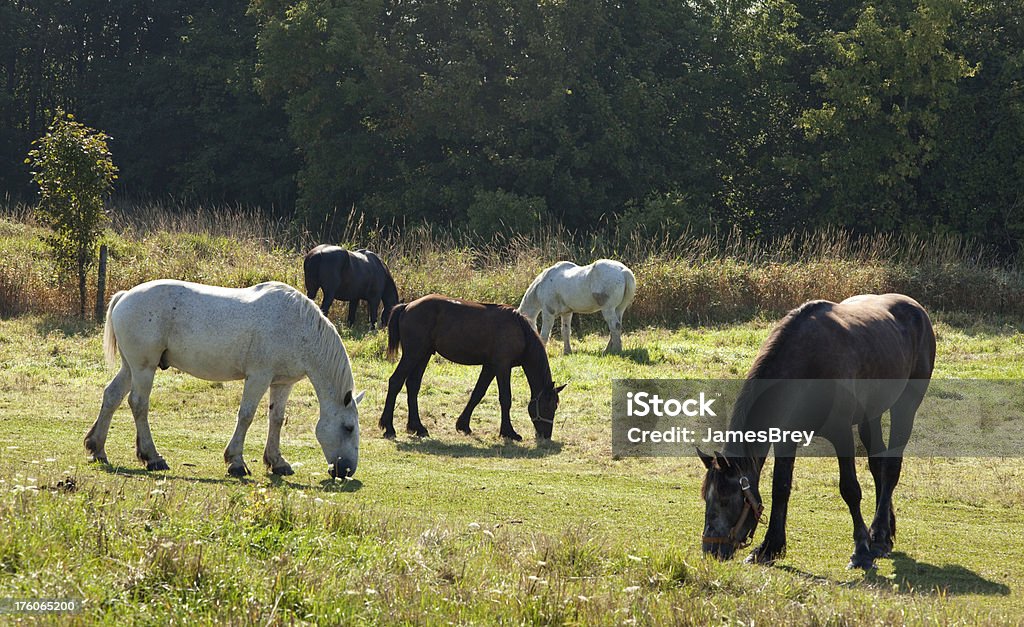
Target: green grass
[(469, 529)]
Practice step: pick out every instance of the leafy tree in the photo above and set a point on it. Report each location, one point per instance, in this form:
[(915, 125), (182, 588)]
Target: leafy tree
[(890, 81), (73, 168)]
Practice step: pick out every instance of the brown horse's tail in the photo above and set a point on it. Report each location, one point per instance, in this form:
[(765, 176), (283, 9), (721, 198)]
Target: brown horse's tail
[(311, 272), (393, 335), (109, 339)]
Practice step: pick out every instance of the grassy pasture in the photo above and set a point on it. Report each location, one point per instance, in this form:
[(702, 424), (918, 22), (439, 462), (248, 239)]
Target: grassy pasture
[(468, 529), (471, 529)]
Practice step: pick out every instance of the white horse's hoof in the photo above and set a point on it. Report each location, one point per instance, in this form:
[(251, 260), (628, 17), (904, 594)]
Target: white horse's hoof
[(282, 471)]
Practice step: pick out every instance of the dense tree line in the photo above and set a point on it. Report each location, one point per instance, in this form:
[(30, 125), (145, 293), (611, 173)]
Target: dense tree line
[(767, 114)]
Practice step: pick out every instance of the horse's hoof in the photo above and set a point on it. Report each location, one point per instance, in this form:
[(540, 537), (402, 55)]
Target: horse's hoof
[(238, 470), (765, 554), (282, 471), (98, 459), (512, 435), (763, 559), (862, 560), (390, 434), (158, 464), (463, 428), (420, 432), (881, 550)]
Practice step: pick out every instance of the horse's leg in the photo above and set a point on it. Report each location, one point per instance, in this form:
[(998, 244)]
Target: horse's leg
[(328, 299), (547, 325), (412, 389), (773, 546), (902, 413), (849, 488), (138, 399), (373, 304), (113, 394), (272, 452), (353, 305), (504, 376), (482, 383), (614, 330), (255, 387), (567, 332), (871, 435), (395, 383)]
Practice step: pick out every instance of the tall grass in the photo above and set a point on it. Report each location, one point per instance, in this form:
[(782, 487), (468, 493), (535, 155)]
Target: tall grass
[(691, 278)]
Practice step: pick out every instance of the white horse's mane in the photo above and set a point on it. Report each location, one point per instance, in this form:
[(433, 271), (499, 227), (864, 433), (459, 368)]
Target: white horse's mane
[(327, 344)]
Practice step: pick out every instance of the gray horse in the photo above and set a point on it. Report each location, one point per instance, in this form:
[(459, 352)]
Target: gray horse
[(350, 275)]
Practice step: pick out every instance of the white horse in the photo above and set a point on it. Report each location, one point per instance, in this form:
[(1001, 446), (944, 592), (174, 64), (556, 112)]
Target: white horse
[(270, 334), (565, 288)]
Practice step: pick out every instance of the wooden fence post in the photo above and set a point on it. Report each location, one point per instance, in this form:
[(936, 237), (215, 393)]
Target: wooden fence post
[(101, 284)]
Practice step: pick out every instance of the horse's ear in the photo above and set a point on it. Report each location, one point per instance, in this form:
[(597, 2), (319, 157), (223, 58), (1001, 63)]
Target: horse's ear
[(349, 400), (708, 460), (560, 388), (722, 462)]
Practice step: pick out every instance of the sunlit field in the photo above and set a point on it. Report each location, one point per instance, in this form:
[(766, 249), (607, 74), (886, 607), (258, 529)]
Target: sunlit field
[(468, 529)]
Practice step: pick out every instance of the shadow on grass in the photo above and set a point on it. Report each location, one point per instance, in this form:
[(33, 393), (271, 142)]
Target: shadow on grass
[(974, 325), (636, 355), (327, 485), (66, 326), (921, 577), (479, 448), (126, 471), (916, 577)]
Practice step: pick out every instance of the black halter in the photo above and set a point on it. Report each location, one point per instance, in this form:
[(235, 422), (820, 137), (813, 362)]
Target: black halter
[(750, 504)]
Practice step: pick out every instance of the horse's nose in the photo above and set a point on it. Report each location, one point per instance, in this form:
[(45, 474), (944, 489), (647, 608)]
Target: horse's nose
[(342, 468), (719, 551)]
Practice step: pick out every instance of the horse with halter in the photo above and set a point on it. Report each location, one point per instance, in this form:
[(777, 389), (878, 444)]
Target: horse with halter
[(492, 336), (825, 367)]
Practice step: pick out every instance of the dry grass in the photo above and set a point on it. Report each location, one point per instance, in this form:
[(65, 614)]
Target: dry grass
[(680, 279)]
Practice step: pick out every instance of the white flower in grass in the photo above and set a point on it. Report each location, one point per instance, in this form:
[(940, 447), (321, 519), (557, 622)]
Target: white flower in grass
[(474, 526)]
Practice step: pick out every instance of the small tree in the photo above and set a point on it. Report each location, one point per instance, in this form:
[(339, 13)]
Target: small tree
[(72, 166)]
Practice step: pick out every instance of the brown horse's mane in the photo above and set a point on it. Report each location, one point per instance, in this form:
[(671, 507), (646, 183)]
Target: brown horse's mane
[(764, 363), (534, 346)]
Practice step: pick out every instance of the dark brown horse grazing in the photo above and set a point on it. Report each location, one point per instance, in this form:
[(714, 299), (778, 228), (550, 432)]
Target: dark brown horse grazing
[(494, 336), (868, 354), (350, 275)]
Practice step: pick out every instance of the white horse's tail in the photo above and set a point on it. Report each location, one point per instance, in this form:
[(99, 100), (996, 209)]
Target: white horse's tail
[(628, 291), (109, 339)]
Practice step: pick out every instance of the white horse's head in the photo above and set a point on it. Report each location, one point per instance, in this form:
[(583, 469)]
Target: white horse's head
[(530, 306), (338, 434)]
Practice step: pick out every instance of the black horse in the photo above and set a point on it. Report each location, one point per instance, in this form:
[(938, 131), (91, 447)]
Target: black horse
[(826, 367), (496, 337), (350, 275)]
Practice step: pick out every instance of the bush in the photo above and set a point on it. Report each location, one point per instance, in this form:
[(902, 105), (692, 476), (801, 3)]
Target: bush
[(494, 212), (671, 214)]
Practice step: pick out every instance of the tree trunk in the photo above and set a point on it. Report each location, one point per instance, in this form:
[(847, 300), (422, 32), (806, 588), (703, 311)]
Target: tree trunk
[(81, 289), (101, 284)]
